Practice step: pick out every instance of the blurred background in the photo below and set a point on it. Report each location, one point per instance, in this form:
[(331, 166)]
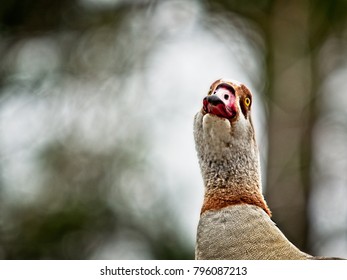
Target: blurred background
[(97, 98)]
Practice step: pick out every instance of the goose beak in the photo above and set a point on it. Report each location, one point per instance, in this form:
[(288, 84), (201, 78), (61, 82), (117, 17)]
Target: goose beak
[(221, 102)]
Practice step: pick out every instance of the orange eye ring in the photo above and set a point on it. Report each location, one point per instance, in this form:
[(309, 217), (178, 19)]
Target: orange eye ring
[(247, 101)]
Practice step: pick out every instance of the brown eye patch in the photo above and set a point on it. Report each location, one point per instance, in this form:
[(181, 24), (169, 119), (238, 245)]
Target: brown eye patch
[(245, 104)]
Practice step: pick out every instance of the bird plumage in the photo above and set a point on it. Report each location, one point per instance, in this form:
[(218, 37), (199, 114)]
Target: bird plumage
[(242, 231), (235, 221)]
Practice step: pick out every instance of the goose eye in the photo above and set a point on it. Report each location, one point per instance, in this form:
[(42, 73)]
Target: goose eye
[(247, 101)]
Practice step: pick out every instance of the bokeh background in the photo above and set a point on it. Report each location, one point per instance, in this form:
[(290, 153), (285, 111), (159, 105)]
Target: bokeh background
[(97, 99)]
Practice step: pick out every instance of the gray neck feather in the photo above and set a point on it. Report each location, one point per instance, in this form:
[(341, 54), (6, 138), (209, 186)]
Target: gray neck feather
[(225, 160)]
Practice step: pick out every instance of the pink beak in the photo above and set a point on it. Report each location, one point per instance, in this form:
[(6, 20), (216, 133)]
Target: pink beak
[(221, 103)]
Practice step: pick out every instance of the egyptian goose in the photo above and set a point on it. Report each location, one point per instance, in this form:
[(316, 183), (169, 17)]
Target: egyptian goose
[(235, 221)]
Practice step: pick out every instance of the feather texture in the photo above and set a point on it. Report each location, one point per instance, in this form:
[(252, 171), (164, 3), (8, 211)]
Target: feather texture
[(235, 221)]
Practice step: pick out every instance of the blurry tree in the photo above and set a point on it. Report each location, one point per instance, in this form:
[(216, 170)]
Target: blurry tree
[(292, 35), (85, 199), (74, 214)]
